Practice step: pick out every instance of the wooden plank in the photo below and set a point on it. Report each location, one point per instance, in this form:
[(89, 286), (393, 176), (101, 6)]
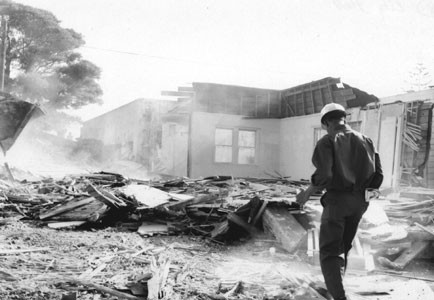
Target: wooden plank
[(240, 222), (289, 108), (307, 87), (201, 198), (260, 212), (321, 94), (312, 99), (150, 228), (156, 284), (406, 257), (92, 212), (102, 288), (303, 101), (65, 208), (285, 228), (256, 106), (220, 229), (268, 104), (105, 196), (429, 230), (19, 251), (57, 225), (279, 105), (310, 244), (332, 98), (295, 105)]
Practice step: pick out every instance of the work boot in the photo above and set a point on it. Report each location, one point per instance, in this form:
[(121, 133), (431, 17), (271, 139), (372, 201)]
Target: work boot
[(321, 289)]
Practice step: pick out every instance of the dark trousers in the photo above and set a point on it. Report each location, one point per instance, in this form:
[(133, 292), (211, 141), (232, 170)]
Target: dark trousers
[(339, 221)]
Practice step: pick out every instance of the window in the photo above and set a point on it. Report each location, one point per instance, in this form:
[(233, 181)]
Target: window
[(246, 146), (223, 145), (235, 146)]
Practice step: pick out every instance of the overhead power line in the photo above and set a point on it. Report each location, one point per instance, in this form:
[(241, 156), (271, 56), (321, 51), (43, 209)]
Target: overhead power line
[(183, 60)]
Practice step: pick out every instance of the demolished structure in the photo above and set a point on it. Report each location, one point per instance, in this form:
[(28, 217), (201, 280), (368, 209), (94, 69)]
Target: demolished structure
[(216, 129), (250, 144), (232, 130)]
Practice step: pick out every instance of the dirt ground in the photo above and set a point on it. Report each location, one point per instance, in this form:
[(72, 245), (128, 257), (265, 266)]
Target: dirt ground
[(42, 263)]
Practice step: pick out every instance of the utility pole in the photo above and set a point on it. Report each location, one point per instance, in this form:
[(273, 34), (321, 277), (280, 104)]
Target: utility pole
[(4, 26), (4, 32)]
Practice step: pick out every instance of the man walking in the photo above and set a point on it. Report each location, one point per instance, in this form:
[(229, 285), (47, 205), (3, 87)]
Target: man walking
[(346, 167)]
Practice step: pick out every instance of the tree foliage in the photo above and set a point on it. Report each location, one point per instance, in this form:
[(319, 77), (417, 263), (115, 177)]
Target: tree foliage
[(41, 62)]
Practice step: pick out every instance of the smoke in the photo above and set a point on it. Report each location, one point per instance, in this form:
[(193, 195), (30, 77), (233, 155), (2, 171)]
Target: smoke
[(45, 147), (38, 153), (49, 147)]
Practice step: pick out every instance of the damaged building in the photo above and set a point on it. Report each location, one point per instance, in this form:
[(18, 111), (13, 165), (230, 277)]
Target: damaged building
[(132, 132), (217, 129), (256, 137)]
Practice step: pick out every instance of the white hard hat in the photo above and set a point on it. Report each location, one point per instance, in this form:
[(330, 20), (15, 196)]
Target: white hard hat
[(328, 108)]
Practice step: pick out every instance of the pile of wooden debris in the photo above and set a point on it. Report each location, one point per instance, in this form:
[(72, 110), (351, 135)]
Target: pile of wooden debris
[(217, 209), (399, 228), (206, 206)]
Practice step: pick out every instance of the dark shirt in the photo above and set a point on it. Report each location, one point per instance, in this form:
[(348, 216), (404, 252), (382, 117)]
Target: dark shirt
[(346, 160)]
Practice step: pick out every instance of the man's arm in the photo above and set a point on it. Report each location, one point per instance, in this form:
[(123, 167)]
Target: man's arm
[(304, 195), (322, 159), (377, 178)]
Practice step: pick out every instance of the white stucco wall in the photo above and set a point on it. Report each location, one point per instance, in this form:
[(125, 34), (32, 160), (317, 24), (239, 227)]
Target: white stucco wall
[(174, 148), (203, 128), (298, 142), (296, 146)]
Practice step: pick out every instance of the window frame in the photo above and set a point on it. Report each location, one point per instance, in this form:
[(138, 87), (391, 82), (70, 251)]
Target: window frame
[(236, 147), (255, 146), (231, 146)]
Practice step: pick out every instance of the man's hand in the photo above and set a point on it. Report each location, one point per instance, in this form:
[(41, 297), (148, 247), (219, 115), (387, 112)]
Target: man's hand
[(302, 197)]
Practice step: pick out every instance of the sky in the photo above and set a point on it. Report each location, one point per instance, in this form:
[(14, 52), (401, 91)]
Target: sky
[(146, 46)]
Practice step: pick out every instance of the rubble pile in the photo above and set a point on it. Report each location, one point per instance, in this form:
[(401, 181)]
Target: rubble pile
[(115, 264), (151, 207), (399, 228), (118, 263), (207, 212)]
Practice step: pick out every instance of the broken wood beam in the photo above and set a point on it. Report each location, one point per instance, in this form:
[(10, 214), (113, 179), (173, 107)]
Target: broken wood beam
[(104, 289), (429, 230), (418, 234), (232, 217), (18, 251), (260, 212), (57, 225), (201, 198), (406, 257), (404, 274), (284, 227), (65, 208), (105, 197), (160, 273), (220, 229)]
